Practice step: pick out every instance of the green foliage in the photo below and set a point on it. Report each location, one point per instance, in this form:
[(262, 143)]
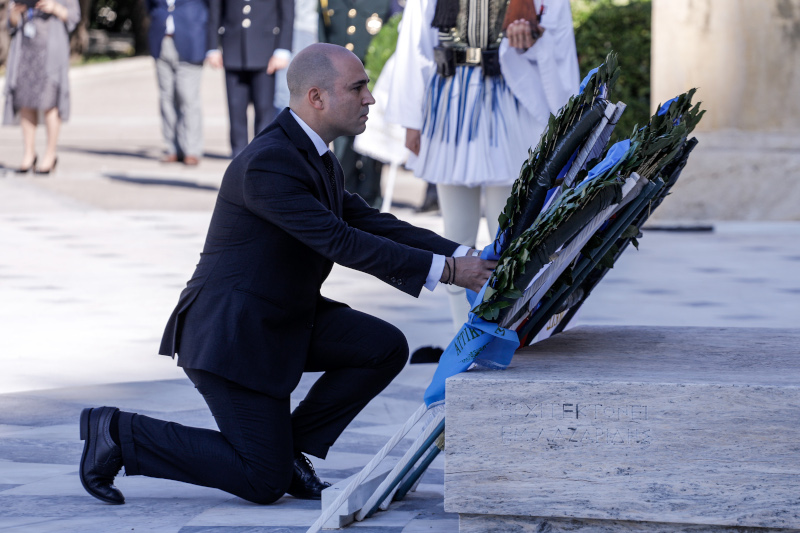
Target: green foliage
[(381, 49), (652, 148), (624, 26), (659, 141), (607, 74), (513, 260)]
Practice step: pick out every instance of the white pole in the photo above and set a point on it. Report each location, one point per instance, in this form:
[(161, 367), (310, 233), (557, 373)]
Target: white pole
[(400, 465), (348, 491)]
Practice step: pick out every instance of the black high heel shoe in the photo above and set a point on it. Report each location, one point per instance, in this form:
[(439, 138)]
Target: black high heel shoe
[(22, 170), (49, 170)]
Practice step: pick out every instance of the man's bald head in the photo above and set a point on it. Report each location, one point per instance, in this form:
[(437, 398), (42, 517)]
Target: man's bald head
[(329, 92), (314, 66)]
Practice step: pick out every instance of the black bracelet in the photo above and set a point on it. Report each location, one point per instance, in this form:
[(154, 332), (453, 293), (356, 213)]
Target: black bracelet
[(454, 272), (447, 277)]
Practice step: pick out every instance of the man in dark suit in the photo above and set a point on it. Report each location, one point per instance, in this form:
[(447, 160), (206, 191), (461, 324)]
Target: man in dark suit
[(256, 39), (177, 40), (251, 320), (353, 24)]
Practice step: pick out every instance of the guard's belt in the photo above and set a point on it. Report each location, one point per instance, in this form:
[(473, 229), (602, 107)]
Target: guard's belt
[(448, 58)]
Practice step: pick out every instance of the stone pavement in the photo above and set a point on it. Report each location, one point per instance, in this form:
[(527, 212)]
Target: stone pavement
[(94, 257)]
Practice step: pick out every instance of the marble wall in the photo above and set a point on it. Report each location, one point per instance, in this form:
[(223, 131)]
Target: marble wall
[(743, 55)]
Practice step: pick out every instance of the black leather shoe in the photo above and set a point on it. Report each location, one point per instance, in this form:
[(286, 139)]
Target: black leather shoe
[(101, 459), (426, 354), (305, 483), (431, 201)]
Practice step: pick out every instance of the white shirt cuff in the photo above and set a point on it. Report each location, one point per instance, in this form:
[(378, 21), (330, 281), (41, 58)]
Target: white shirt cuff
[(461, 251), (282, 53), (437, 267)]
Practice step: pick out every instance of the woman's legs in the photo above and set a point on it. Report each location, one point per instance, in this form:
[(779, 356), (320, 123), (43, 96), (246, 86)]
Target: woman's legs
[(52, 121), (28, 120)]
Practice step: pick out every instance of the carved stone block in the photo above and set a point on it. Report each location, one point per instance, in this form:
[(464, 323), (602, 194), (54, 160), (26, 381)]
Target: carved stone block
[(632, 424)]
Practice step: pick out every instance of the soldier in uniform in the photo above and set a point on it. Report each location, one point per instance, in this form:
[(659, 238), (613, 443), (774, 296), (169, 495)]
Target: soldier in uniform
[(353, 24), (256, 39)]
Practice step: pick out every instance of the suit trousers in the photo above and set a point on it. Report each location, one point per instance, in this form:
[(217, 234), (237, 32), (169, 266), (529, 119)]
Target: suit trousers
[(251, 456), (179, 98), (243, 87)]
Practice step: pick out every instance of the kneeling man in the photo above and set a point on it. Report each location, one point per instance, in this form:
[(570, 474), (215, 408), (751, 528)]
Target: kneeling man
[(251, 319)]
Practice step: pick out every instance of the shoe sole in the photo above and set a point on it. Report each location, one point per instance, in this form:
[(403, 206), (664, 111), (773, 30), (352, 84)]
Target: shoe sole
[(85, 438)]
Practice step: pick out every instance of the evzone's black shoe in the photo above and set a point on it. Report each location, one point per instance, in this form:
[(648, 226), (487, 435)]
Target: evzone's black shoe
[(101, 459), (306, 485)]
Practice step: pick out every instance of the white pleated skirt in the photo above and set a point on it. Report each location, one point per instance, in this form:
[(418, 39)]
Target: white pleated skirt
[(475, 132)]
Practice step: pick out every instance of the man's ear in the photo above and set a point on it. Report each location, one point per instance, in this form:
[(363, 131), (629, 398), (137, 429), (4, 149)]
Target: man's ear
[(317, 98)]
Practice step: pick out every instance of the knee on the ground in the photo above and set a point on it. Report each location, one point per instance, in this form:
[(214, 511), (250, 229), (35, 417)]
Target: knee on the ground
[(263, 494), (262, 489)]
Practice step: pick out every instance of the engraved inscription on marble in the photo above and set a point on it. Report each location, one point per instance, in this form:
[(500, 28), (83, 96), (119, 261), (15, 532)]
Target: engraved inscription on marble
[(577, 411), (556, 424), (554, 436)]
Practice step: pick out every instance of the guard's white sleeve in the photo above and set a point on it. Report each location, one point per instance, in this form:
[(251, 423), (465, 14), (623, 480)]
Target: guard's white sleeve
[(546, 75), (414, 65)]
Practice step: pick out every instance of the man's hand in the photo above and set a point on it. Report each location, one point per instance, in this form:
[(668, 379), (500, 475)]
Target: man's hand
[(276, 63), (522, 35), (214, 59), (468, 272), (412, 140)]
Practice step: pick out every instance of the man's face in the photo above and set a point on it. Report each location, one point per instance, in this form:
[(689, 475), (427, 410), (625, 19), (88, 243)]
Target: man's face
[(349, 100)]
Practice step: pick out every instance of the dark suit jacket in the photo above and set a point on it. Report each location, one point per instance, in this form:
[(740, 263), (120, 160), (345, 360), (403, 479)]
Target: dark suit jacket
[(248, 312), (191, 28), (249, 31)]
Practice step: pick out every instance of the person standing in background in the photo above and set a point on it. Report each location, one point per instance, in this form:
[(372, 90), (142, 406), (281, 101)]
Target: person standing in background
[(305, 33), (37, 77), (177, 40), (256, 41), (474, 91), (353, 24)]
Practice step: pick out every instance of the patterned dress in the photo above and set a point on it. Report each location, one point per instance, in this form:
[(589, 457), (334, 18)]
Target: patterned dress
[(38, 63)]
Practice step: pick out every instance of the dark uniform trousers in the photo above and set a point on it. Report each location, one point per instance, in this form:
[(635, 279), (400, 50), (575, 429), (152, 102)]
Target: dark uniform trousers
[(362, 174), (249, 31), (243, 87), (251, 455)]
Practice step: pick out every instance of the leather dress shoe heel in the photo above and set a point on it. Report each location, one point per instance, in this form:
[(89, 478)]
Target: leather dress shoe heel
[(305, 483), (44, 172), (25, 170), (101, 459)]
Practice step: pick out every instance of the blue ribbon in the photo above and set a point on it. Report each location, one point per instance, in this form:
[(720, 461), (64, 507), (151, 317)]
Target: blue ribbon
[(478, 341)]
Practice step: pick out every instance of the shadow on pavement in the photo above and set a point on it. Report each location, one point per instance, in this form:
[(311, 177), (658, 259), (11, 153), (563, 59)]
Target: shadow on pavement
[(161, 182)]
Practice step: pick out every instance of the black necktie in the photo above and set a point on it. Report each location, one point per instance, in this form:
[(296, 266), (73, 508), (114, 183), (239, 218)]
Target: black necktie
[(328, 160)]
